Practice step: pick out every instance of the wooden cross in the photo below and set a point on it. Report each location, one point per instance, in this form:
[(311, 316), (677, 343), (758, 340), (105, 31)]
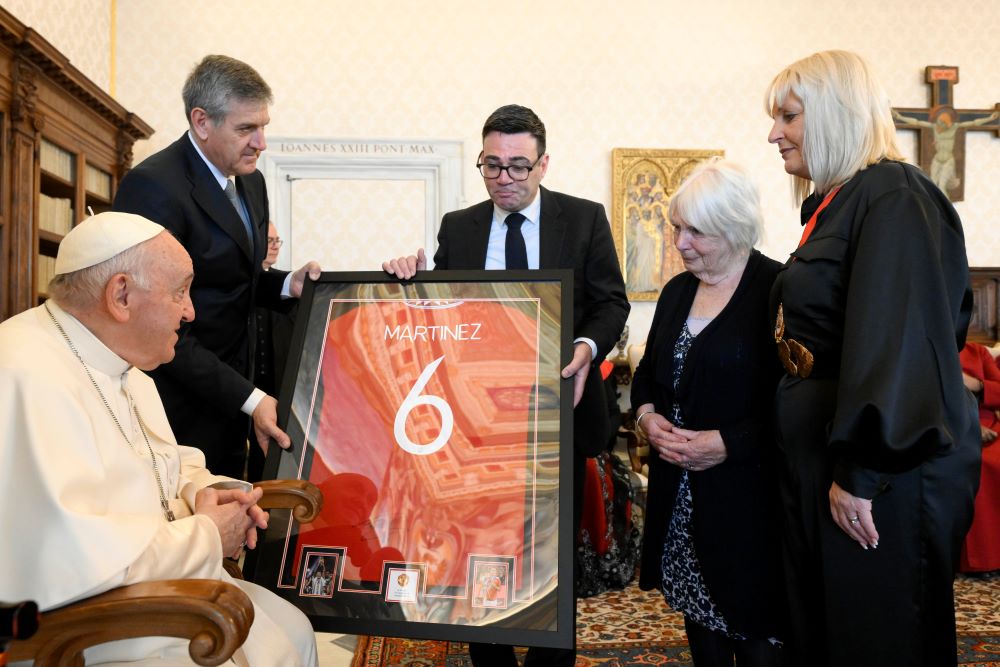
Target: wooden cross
[(942, 130)]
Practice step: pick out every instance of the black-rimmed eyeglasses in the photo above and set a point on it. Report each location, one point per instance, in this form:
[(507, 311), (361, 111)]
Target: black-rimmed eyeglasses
[(516, 172)]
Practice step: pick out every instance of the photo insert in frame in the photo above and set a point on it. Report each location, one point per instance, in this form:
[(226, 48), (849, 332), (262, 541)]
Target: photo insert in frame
[(402, 584), (491, 584), (318, 574)]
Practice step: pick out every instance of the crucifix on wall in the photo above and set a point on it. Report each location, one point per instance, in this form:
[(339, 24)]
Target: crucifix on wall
[(942, 130)]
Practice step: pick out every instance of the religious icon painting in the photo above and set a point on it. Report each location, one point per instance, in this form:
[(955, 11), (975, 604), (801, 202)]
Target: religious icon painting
[(942, 129), (319, 570), (431, 414), (644, 179)]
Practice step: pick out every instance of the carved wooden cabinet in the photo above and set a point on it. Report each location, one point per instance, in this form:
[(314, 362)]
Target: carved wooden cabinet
[(64, 146)]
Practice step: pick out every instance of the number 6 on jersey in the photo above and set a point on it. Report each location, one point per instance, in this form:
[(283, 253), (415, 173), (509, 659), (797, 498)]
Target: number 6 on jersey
[(414, 399)]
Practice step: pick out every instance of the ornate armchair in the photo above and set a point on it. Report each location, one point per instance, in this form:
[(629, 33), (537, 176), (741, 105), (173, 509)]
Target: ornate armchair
[(214, 616), (302, 497)]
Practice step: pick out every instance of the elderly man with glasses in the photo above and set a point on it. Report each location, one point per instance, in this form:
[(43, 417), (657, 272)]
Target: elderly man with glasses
[(525, 226)]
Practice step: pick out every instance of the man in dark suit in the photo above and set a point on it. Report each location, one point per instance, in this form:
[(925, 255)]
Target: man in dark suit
[(523, 225), (206, 190), (274, 336)]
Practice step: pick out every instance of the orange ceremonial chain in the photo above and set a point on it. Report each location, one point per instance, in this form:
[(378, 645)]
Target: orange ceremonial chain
[(812, 221)]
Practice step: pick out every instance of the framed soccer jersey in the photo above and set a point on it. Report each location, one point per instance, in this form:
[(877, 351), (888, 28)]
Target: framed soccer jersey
[(432, 415)]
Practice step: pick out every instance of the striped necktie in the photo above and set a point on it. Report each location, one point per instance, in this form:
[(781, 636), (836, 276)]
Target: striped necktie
[(234, 199)]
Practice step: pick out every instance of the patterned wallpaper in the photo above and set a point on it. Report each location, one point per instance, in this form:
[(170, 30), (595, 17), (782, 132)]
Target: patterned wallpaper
[(81, 29), (334, 222), (636, 74)]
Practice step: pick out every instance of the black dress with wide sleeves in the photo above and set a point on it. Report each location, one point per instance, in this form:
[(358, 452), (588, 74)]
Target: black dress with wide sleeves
[(879, 294)]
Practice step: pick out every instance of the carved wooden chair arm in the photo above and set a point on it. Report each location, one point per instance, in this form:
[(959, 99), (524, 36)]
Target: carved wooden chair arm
[(301, 496), (215, 616), (632, 444)]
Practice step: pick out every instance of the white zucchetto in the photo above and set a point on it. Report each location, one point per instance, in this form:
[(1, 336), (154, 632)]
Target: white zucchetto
[(101, 237)]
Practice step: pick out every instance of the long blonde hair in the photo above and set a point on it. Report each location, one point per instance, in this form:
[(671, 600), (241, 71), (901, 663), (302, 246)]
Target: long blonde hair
[(847, 116)]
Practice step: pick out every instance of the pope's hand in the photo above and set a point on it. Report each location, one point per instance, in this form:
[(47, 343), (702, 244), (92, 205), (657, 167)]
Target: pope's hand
[(232, 516)]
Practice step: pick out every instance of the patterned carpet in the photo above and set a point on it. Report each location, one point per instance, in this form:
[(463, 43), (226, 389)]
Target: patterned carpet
[(631, 627)]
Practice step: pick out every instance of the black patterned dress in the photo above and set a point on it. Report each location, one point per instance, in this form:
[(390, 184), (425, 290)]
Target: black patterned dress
[(683, 585)]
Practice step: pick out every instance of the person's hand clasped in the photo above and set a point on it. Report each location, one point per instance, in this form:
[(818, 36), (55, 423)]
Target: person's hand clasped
[(265, 425), (854, 516), (405, 268), (310, 269), (235, 514), (692, 450), (660, 433)]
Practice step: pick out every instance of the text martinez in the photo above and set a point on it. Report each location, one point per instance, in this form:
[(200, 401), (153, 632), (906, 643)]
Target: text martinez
[(468, 331)]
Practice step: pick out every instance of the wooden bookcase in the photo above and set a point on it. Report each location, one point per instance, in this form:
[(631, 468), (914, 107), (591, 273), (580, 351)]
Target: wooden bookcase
[(985, 325), (64, 146)]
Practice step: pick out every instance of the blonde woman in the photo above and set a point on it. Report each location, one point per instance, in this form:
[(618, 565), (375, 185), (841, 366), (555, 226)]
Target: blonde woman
[(879, 438)]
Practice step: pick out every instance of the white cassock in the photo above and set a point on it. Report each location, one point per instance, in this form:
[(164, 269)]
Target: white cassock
[(80, 509)]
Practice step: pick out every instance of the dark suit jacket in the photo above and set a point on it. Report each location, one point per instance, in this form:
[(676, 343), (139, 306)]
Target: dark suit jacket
[(573, 234), (209, 379)]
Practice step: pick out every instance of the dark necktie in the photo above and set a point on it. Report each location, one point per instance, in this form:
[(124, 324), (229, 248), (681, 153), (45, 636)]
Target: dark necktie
[(234, 199), (516, 251)]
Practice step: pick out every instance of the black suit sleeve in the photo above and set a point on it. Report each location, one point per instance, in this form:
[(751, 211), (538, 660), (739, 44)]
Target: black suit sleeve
[(900, 401), (269, 283), (604, 307), (441, 254), (194, 366)]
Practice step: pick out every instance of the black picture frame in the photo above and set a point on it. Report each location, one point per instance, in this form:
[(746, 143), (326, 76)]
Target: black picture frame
[(467, 537)]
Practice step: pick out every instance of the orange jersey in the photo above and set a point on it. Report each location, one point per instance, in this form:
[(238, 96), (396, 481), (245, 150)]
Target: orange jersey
[(407, 476)]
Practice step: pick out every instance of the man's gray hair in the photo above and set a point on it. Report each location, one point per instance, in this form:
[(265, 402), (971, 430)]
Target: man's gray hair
[(85, 288), (216, 80)]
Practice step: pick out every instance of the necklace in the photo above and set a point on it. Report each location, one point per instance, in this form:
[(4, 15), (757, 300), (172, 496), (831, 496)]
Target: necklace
[(167, 512)]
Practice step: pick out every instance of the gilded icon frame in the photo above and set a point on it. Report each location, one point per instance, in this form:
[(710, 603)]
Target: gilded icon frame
[(643, 180)]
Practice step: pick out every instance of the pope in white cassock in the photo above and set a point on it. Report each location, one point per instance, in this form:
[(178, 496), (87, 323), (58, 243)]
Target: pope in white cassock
[(94, 491)]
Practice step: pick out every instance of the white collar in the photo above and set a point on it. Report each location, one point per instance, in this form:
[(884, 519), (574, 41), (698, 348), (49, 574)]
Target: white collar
[(219, 176), (532, 212), (94, 353)]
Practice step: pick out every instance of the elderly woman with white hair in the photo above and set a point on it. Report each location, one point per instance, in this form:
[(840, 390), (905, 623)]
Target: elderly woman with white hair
[(879, 439), (703, 395)]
